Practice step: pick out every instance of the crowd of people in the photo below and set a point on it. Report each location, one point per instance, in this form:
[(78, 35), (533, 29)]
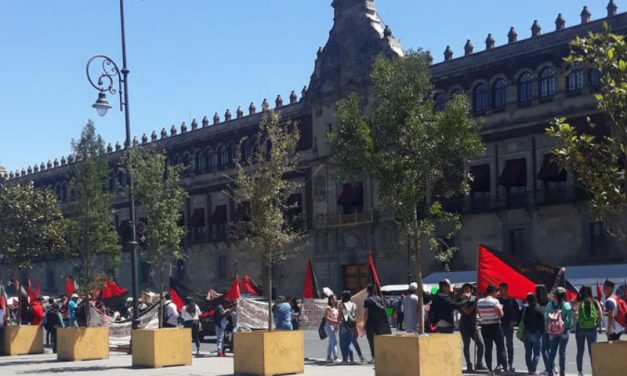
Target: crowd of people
[(544, 322)]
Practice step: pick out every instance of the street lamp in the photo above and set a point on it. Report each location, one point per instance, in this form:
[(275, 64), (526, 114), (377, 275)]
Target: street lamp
[(104, 82)]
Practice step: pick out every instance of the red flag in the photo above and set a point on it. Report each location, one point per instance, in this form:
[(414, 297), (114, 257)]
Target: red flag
[(233, 294), (249, 286), (112, 289), (70, 286), (311, 290), (373, 271), (3, 298), (520, 274), (599, 292)]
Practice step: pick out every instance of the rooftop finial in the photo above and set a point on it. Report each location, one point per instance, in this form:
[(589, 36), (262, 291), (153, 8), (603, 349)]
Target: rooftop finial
[(239, 112), (429, 57), (194, 124), (252, 109), (144, 139), (216, 118), (227, 115), (278, 101), (173, 130), (135, 141), (468, 47), (109, 148), (535, 29), (489, 42), (303, 92), (118, 147), (448, 53), (512, 36), (164, 133), (293, 97), (205, 121), (585, 15), (153, 136), (612, 9), (560, 22), (265, 106), (183, 127), (387, 32)]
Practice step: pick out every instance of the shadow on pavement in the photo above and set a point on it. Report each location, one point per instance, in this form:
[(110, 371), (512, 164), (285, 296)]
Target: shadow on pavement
[(28, 362), (72, 369)]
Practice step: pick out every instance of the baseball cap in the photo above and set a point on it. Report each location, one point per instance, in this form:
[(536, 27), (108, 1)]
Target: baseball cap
[(413, 286)]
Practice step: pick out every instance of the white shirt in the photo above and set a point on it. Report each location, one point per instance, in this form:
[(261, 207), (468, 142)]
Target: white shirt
[(617, 327), (188, 316), (348, 309), (171, 313)]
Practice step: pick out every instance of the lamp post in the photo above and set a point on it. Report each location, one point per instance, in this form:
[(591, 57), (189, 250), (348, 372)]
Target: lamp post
[(105, 83)]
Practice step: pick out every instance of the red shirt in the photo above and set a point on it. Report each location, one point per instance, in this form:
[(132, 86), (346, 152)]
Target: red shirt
[(37, 314)]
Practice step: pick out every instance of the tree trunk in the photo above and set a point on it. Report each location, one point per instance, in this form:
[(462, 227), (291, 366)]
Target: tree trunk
[(417, 253), (269, 292), (161, 297), (18, 284)]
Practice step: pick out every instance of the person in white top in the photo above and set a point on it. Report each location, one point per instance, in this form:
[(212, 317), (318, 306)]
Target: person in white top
[(191, 317), (614, 329), (330, 327), (170, 312)]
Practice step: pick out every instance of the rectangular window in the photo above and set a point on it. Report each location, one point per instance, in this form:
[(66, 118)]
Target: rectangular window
[(51, 284), (598, 239), (144, 272), (222, 267), (517, 241)]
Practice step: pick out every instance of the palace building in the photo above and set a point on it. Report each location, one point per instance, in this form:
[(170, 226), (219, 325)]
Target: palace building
[(521, 202)]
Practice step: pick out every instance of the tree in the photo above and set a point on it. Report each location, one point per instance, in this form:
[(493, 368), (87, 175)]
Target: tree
[(261, 181), (415, 154), (598, 162), (93, 237), (32, 227), (159, 193)]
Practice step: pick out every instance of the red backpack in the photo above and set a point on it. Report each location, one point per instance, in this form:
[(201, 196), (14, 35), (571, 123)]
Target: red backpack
[(621, 317)]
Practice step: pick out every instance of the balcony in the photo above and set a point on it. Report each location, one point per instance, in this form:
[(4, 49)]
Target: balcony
[(357, 218)]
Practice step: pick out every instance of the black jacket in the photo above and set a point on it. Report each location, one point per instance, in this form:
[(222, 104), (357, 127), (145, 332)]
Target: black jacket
[(442, 308)]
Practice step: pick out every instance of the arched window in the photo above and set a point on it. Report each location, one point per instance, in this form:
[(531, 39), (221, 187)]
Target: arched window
[(246, 150), (500, 93), (201, 161), (440, 101), (575, 80), (547, 83), (232, 154), (480, 98), (209, 161), (455, 92), (525, 88)]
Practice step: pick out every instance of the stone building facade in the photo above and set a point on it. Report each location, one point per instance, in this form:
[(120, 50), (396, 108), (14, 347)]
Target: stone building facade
[(520, 202)]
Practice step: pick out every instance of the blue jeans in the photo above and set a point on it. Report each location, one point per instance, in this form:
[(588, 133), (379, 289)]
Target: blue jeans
[(220, 338), (533, 346), (332, 346), (508, 332), (545, 352), (346, 337), (583, 335), (556, 343)]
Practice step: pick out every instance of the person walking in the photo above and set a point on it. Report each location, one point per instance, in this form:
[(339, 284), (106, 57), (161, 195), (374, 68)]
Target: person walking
[(542, 296), (410, 306), (400, 312), (511, 316), (533, 322), (282, 311), (295, 313), (54, 320), (443, 308), (170, 312), (468, 328), (348, 323), (588, 317), (331, 327), (558, 321), (614, 329), (191, 319), (221, 320), (491, 312), (72, 306), (375, 317)]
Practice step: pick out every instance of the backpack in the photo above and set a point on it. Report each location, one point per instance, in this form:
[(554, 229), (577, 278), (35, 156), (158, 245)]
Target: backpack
[(588, 321), (351, 322), (621, 317), (555, 322)]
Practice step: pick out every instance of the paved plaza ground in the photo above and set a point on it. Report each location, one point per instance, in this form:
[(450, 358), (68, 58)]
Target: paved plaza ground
[(207, 364)]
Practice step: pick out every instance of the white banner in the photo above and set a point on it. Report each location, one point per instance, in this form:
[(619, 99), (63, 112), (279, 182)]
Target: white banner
[(311, 313), (120, 331), (252, 314)]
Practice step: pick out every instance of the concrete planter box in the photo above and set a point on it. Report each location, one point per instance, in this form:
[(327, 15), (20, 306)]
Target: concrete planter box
[(411, 355), (75, 344), (22, 340), (609, 358), (266, 353), (165, 347)]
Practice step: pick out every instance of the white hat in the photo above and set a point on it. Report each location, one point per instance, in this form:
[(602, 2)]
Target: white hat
[(75, 295), (413, 286), (129, 299)]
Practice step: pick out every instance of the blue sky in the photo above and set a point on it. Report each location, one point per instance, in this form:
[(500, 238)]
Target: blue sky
[(190, 58)]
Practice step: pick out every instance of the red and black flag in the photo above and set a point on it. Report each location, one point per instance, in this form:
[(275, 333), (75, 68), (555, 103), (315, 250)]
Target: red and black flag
[(71, 286), (112, 290), (599, 292), (234, 293), (34, 294), (180, 292), (311, 290), (250, 286), (373, 271), (520, 274)]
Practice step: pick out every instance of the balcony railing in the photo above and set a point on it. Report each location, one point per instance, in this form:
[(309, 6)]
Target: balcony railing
[(351, 219), (566, 194)]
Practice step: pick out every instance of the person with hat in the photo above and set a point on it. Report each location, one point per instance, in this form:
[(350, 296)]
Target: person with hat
[(443, 308), (71, 308), (410, 308)]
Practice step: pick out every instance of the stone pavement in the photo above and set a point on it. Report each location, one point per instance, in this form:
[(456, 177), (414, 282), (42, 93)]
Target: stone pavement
[(119, 364)]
